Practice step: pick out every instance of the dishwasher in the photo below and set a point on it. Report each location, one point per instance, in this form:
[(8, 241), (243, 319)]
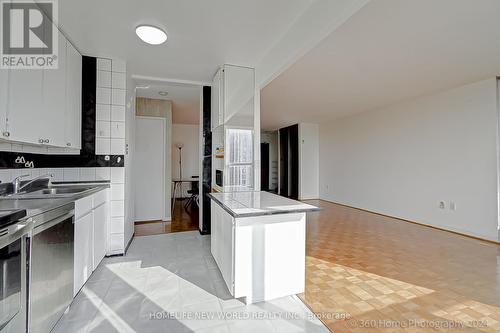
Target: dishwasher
[(50, 268)]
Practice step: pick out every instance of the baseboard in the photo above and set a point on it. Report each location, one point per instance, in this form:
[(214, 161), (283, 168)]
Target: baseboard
[(417, 223), (151, 221)]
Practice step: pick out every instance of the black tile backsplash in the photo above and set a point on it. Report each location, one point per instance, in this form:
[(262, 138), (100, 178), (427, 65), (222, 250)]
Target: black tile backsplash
[(87, 157)]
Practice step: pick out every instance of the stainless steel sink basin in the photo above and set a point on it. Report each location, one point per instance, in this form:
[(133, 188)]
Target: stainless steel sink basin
[(51, 192), (59, 190)]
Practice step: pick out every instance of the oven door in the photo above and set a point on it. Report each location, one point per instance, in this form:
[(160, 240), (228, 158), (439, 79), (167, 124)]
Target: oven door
[(13, 285)]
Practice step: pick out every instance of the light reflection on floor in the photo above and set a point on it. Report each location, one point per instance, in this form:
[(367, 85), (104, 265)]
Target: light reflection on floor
[(174, 274), (386, 274)]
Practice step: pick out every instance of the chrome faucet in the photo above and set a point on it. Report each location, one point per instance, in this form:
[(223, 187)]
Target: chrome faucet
[(17, 182)]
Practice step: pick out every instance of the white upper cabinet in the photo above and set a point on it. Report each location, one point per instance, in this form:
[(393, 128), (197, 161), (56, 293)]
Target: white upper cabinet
[(218, 99), (43, 106), (54, 100), (233, 92), (25, 114), (73, 115), (239, 93), (4, 84)]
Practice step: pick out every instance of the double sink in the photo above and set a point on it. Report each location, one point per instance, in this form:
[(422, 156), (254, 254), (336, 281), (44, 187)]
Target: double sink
[(50, 192)]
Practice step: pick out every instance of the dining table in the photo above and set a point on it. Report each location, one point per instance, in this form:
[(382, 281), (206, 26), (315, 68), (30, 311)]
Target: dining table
[(177, 186)]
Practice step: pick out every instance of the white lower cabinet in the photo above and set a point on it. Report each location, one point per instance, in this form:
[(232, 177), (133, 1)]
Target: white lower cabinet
[(91, 225), (83, 251), (101, 216)]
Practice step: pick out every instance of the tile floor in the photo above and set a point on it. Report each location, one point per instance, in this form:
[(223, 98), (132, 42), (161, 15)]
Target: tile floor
[(174, 275)]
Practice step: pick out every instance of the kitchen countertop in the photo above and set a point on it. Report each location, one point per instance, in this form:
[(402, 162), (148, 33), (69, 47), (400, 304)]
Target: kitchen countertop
[(254, 203), (34, 207)]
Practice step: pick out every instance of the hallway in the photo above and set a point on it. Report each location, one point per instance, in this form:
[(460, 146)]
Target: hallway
[(182, 220)]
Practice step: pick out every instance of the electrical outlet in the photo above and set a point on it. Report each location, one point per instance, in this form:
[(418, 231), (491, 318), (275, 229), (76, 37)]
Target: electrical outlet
[(442, 205), (453, 205)]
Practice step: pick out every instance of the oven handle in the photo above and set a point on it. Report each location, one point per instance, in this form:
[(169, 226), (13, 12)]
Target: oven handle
[(53, 222)]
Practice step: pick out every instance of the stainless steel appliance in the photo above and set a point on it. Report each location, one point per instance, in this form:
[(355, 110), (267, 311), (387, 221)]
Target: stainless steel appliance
[(13, 262), (50, 268)]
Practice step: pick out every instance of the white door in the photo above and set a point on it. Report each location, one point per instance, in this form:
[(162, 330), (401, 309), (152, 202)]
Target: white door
[(149, 169)]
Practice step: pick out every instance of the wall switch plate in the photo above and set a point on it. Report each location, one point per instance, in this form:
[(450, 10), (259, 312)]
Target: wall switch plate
[(453, 205)]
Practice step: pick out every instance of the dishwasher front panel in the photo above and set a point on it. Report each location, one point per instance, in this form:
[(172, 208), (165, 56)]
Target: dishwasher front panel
[(51, 270)]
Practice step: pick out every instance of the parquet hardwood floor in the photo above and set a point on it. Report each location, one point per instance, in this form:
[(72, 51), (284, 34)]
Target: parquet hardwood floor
[(371, 273)]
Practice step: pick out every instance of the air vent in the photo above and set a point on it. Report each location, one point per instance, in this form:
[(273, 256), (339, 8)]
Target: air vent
[(4, 232)]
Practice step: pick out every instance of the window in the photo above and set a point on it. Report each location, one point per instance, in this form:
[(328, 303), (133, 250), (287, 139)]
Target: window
[(239, 158)]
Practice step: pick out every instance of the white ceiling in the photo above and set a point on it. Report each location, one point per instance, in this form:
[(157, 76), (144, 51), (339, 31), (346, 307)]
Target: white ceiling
[(202, 35), (185, 99), (389, 51)]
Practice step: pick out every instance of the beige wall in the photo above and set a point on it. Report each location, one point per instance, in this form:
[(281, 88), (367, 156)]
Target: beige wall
[(147, 107)]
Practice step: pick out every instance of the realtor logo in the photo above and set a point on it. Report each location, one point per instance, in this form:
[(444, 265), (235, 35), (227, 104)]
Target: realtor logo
[(29, 34)]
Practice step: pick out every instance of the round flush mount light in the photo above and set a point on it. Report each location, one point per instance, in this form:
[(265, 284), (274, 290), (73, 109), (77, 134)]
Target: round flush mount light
[(162, 93), (151, 34)]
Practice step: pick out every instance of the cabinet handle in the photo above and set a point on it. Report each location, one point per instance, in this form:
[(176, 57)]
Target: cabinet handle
[(68, 144), (46, 140), (40, 140), (6, 134)]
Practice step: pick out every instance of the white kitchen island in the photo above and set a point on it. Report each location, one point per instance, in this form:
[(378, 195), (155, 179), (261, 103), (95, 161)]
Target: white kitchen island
[(258, 242)]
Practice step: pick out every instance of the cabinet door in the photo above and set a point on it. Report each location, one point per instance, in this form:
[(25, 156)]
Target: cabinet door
[(54, 99), (216, 100), (101, 217), (238, 92), (4, 86), (25, 116), (83, 260), (73, 127)]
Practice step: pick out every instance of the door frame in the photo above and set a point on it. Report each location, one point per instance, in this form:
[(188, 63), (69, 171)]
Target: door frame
[(165, 177)]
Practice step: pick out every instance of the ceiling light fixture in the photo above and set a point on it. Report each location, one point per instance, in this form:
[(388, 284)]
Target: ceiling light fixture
[(151, 34), (163, 93)]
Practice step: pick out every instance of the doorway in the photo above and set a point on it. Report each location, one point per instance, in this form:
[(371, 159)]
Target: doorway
[(289, 162), (264, 166), (151, 141), (171, 187)]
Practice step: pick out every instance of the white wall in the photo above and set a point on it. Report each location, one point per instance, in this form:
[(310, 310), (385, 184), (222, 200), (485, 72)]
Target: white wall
[(189, 136), (308, 161), (129, 161), (403, 160)]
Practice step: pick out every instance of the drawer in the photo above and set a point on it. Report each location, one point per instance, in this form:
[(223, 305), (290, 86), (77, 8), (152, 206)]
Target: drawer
[(101, 197), (83, 206)]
